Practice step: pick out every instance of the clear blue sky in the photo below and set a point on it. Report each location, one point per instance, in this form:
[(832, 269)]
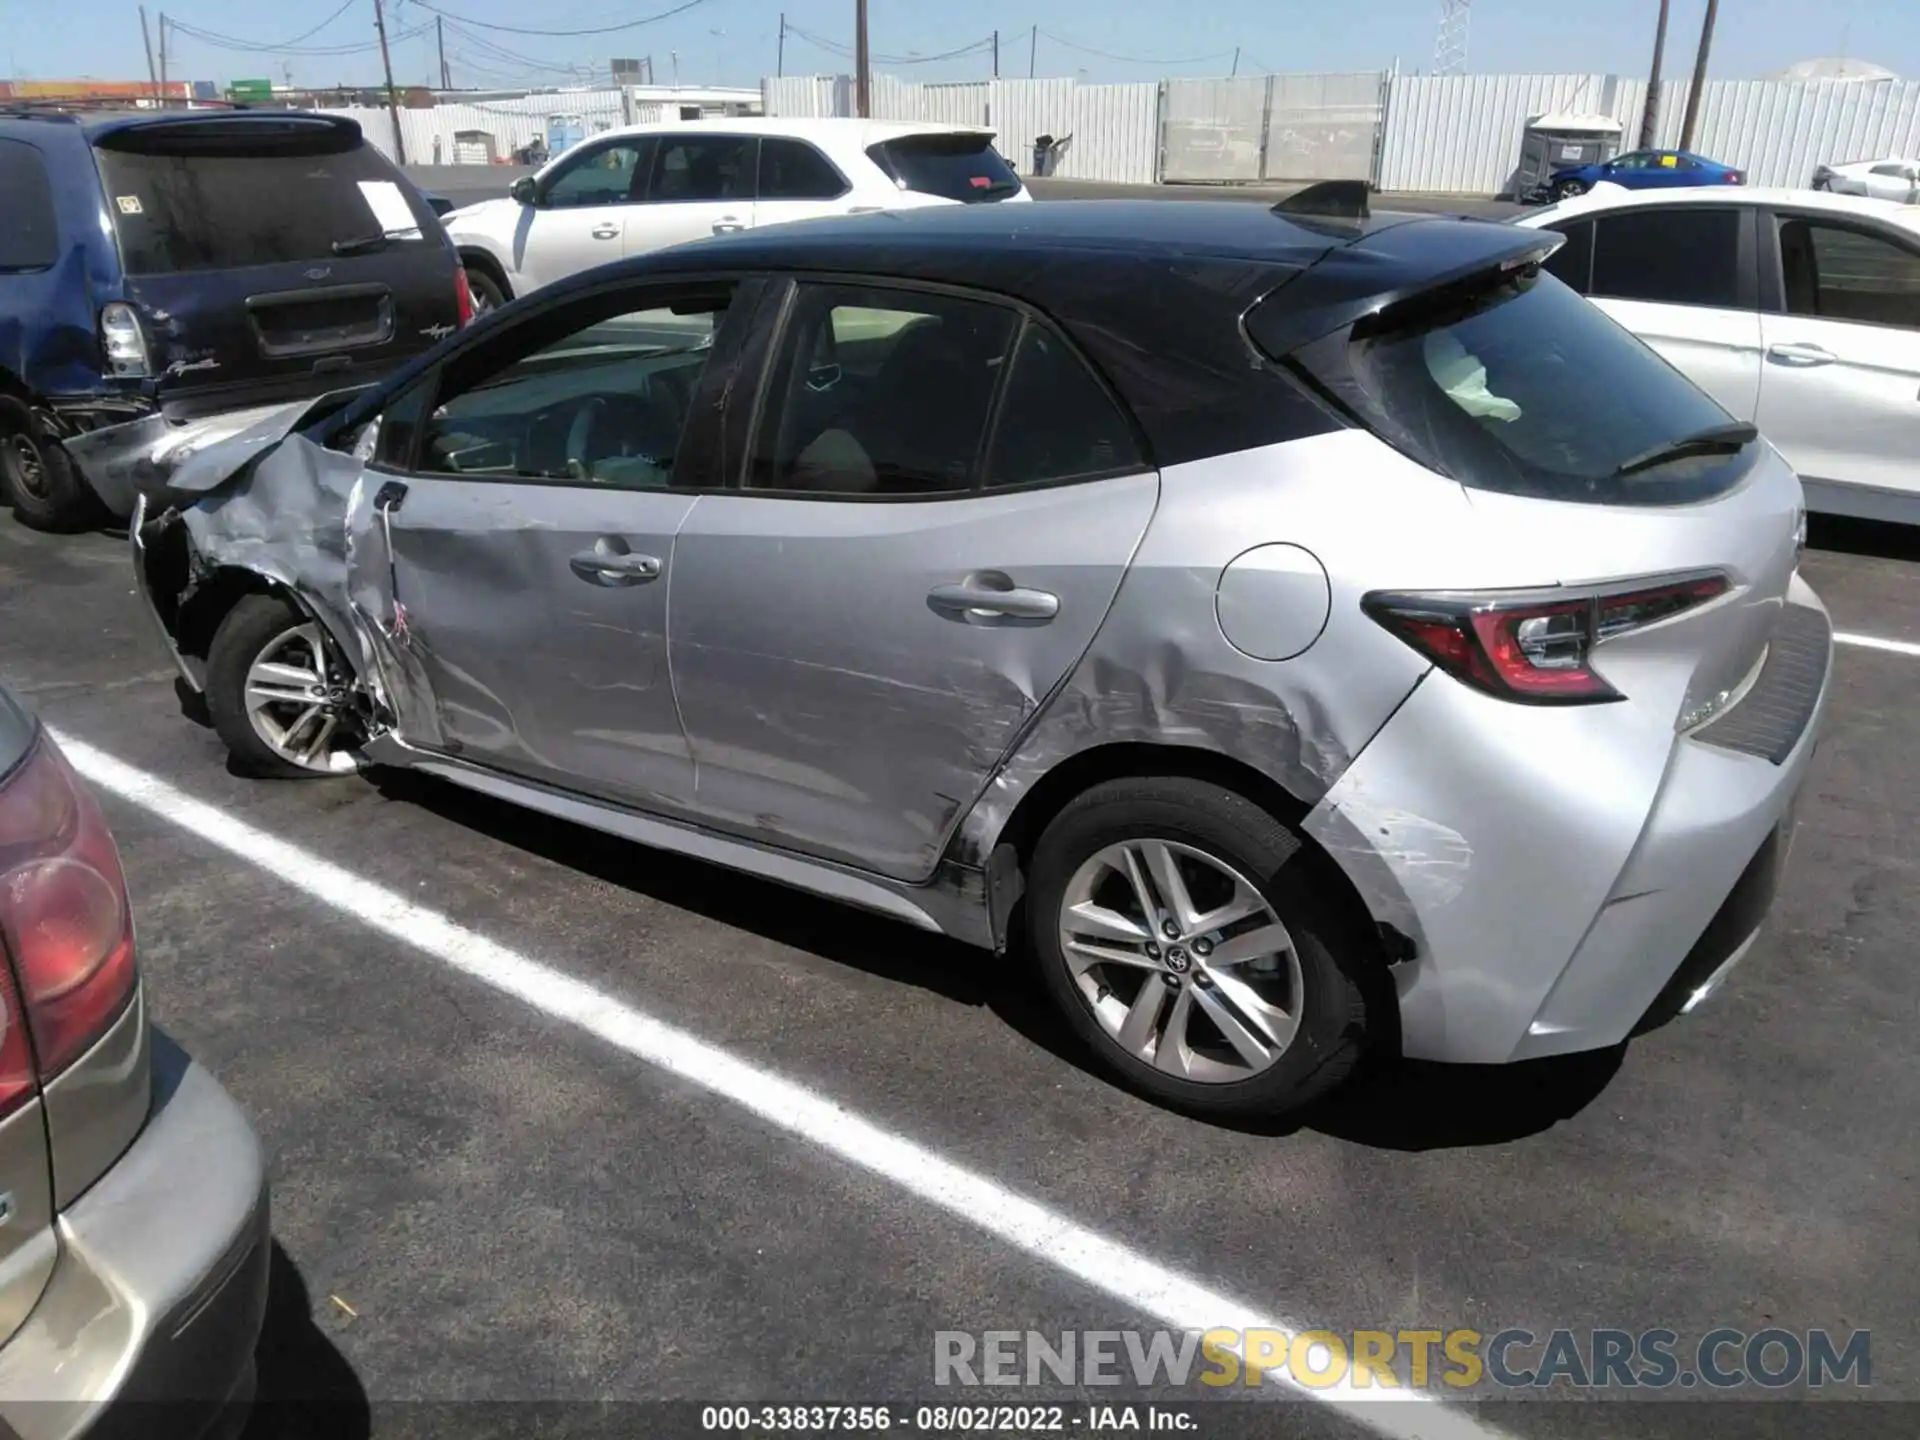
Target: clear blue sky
[(733, 41)]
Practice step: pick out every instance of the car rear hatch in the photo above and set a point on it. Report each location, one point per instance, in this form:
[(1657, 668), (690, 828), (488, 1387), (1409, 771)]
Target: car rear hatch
[(1636, 543), (268, 257), (957, 165)]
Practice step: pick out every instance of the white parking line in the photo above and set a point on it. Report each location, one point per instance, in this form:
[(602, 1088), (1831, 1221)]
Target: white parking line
[(1137, 1281), (1875, 642)]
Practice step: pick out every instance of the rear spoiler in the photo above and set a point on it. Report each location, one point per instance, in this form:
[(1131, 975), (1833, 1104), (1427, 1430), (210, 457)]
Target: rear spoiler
[(230, 131), (1388, 267)]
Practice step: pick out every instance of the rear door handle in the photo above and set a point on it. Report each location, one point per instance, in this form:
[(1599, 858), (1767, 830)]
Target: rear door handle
[(1796, 353), (991, 595), (606, 232), (611, 563)]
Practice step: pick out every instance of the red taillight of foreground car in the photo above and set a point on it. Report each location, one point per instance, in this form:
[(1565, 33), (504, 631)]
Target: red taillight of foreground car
[(463, 292), (64, 916), (1536, 648)]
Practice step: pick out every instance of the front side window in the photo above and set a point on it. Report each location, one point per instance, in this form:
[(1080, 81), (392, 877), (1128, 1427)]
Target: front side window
[(881, 392), (1520, 386), (1056, 422), (703, 167), (29, 231), (1637, 160), (1688, 255), (1839, 273), (614, 174), (794, 170), (596, 393)]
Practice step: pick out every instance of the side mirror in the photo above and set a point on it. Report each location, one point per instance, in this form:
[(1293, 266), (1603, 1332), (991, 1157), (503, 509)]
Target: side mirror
[(523, 191)]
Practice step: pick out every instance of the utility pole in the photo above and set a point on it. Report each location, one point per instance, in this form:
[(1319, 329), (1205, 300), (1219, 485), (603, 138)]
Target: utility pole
[(1236, 63), (440, 36), (996, 54), (153, 76), (1033, 48), (780, 55), (393, 104), (863, 80), (163, 58), (1650, 115), (1699, 77)]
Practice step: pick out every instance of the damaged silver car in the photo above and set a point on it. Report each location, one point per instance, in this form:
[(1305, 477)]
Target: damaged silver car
[(1308, 635)]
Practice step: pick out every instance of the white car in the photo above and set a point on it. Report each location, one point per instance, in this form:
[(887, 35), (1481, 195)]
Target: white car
[(637, 189), (1798, 310), (1889, 179)]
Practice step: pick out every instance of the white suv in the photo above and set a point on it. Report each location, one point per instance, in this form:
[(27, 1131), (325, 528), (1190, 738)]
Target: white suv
[(1796, 309), (648, 186)]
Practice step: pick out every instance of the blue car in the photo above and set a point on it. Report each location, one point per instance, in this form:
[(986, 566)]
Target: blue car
[(1644, 170), (165, 274)]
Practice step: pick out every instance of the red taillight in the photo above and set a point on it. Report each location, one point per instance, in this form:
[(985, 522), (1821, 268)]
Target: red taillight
[(1734, 177), (64, 915), (1534, 649), (463, 292)]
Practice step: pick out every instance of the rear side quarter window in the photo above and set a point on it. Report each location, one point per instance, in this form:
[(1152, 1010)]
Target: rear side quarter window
[(29, 228)]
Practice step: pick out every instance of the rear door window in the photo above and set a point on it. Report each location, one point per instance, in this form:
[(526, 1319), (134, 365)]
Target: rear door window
[(794, 170), (210, 202), (953, 166), (1520, 386), (703, 167), (1836, 272), (29, 230), (1687, 255)]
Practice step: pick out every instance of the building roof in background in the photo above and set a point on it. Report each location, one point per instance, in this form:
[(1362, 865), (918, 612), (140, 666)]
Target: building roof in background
[(1834, 67)]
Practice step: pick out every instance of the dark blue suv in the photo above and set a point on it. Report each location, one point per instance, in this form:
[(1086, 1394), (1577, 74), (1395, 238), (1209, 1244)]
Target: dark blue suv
[(166, 276)]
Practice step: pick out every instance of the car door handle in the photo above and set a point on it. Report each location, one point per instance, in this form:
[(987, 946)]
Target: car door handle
[(1796, 353), (606, 232), (611, 567), (990, 595), (726, 225)]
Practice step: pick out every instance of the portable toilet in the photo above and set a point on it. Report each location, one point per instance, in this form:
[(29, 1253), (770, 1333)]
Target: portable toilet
[(564, 132), (1560, 139)]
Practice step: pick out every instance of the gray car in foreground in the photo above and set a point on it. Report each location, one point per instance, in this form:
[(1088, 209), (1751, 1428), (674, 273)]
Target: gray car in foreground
[(133, 1202), (1309, 634)]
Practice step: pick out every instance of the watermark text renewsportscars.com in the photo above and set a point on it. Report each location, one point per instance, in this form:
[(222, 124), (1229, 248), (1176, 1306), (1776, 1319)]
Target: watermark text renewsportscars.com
[(1442, 1360)]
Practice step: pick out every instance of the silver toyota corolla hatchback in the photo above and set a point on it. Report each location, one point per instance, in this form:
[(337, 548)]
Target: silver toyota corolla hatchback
[(1307, 635)]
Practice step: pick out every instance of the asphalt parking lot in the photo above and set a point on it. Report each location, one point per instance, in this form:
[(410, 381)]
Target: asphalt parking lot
[(477, 1200)]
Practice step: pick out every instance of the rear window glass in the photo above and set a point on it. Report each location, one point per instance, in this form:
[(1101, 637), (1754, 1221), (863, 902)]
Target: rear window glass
[(229, 209), (955, 167), (29, 234), (1523, 387)]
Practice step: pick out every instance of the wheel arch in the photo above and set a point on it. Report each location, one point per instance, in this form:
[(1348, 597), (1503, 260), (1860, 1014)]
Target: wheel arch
[(1013, 844), (474, 256)]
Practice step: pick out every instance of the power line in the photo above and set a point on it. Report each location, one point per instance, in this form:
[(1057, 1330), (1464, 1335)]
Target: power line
[(232, 42), (977, 47), (251, 47), (1131, 59), (500, 52), (563, 34)]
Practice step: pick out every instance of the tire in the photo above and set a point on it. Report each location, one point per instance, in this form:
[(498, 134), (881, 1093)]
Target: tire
[(46, 487), (1323, 986), (1567, 189), (488, 293), (256, 627)]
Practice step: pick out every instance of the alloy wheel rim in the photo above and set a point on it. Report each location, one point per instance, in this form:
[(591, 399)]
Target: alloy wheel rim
[(478, 297), (1182, 961), (29, 469), (296, 708)]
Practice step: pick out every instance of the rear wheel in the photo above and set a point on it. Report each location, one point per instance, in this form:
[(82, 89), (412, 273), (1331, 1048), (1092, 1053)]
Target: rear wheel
[(1567, 189), (1178, 931), (45, 486), (276, 696)]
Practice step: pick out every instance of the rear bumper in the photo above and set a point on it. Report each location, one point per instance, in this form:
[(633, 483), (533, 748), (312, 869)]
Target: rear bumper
[(149, 1323), (1561, 894)]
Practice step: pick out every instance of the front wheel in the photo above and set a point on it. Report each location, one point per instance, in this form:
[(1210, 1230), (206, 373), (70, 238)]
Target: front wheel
[(486, 291), (1179, 932), (1567, 189), (277, 696)]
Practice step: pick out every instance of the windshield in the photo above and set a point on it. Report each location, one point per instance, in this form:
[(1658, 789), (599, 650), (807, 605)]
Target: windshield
[(186, 212), (1522, 386), (955, 167)]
